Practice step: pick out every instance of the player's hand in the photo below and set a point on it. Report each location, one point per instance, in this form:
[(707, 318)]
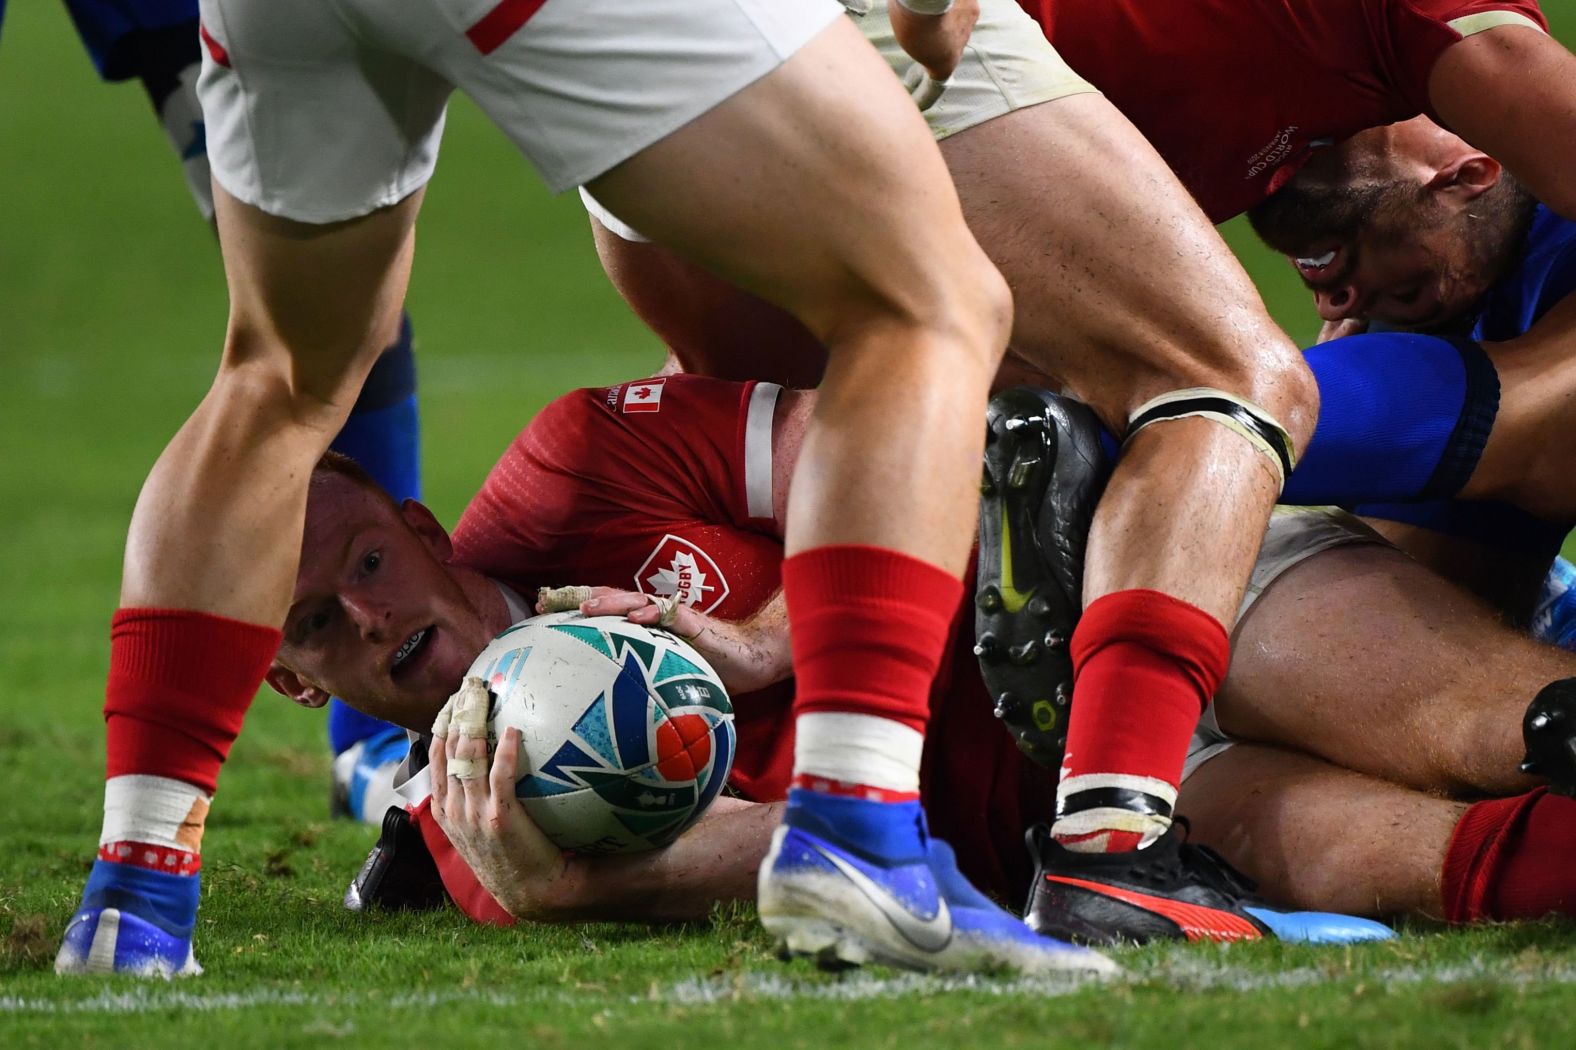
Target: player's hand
[(935, 43), (476, 807), (1341, 329), (747, 655)]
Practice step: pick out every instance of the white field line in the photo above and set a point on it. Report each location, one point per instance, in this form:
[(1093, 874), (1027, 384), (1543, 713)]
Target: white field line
[(1182, 974)]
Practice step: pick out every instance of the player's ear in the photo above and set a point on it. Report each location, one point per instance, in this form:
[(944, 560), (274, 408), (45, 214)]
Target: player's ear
[(286, 682), (424, 524), (1467, 177)]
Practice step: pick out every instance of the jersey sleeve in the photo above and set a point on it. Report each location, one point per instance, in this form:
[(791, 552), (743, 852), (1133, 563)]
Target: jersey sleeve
[(1414, 33)]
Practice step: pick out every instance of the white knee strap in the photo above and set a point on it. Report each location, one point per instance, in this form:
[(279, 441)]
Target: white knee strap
[(1239, 415)]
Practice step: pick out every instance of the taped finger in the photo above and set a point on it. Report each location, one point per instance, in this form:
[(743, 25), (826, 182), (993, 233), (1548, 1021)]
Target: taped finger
[(923, 88), (561, 599), (470, 709), (668, 609), (440, 725)]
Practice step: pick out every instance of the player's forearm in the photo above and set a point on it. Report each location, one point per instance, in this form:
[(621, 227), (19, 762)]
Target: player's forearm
[(1511, 92), (716, 860)]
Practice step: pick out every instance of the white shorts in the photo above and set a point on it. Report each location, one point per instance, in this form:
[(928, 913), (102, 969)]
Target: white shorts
[(323, 110), (1007, 65), (1295, 535)]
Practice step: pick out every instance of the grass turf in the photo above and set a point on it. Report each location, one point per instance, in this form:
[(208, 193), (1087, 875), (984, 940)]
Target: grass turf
[(111, 304)]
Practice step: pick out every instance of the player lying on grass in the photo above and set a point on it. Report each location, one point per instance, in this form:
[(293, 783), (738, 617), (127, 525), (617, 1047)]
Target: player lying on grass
[(661, 502), (845, 217)]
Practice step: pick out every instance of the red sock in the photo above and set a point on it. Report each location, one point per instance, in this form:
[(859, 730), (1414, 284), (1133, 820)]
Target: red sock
[(179, 685), (868, 626), (1512, 858), (1145, 666)]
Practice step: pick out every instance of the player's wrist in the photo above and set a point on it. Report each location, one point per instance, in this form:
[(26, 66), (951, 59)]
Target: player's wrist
[(926, 7)]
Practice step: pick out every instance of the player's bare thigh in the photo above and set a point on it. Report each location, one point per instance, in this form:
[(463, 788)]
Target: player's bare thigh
[(1316, 836), (857, 212), (1436, 704), (1121, 285)]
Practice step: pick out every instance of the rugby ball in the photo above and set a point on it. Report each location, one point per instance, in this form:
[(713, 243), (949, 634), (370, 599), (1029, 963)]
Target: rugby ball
[(626, 731)]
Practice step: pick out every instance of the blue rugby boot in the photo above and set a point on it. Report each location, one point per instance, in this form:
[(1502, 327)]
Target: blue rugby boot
[(1169, 890), (1045, 467), (889, 893), (132, 921), (362, 780)]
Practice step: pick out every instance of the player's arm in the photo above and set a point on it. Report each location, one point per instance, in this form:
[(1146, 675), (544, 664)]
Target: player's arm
[(1511, 92), (933, 33), (716, 860), (747, 654)]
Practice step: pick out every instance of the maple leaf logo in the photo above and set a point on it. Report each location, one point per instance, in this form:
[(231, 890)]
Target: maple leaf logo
[(683, 578)]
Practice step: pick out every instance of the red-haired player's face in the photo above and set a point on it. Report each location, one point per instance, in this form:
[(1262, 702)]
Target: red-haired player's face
[(377, 618)]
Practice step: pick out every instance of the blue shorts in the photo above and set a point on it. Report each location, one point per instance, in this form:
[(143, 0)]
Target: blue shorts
[(114, 31)]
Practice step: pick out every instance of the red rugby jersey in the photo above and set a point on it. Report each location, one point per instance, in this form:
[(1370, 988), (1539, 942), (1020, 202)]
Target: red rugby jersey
[(1234, 93), (664, 486)]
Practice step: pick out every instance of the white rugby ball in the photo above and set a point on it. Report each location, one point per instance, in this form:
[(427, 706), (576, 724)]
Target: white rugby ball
[(626, 731)]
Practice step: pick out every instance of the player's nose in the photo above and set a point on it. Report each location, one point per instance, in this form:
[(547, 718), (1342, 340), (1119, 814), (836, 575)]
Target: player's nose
[(373, 619), (1337, 304)]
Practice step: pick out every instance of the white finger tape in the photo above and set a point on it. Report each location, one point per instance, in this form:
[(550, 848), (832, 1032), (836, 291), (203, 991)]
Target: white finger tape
[(561, 599), (470, 708), (465, 768)]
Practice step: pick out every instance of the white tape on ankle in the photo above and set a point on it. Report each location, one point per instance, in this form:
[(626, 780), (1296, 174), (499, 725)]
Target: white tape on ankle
[(158, 811), (858, 749)]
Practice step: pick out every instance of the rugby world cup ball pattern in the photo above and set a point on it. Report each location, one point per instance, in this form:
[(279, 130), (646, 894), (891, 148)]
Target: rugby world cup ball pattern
[(626, 732)]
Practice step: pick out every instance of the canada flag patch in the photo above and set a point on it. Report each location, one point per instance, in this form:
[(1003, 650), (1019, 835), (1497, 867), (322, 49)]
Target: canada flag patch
[(678, 568), (644, 397)]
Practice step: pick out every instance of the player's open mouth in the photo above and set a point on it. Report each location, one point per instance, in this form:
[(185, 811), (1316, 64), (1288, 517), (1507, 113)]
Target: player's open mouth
[(406, 655)]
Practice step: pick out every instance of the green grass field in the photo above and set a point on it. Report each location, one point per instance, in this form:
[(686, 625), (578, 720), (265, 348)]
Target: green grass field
[(111, 308)]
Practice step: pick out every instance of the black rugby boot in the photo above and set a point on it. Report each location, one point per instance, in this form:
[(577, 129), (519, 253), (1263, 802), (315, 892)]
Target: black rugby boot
[(399, 873), (1170, 890), (1044, 472), (1549, 731)]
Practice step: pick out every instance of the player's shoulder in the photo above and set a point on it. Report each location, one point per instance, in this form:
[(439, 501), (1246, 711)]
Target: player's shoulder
[(643, 399), (1544, 276)]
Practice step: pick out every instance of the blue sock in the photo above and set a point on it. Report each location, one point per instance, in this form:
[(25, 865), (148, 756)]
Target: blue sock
[(1401, 417), (168, 901), (876, 831), (383, 434)]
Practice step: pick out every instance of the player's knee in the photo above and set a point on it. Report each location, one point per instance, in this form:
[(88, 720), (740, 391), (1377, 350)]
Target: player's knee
[(269, 395), (957, 316), (973, 309), (1278, 381)]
